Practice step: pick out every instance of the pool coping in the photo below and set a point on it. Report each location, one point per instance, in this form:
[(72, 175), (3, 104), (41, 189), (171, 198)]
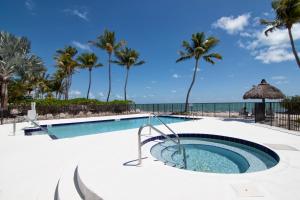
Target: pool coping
[(255, 145)]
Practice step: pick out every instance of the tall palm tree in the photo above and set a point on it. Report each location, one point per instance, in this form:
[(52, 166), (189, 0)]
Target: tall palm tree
[(287, 14), (88, 61), (65, 60), (127, 57), (107, 41), (200, 47), (13, 52)]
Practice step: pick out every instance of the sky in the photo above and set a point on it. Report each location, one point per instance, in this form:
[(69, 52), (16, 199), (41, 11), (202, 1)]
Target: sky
[(156, 30)]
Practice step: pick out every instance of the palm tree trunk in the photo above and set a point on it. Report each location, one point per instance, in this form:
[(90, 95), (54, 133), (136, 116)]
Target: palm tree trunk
[(125, 87), (109, 77), (193, 81), (90, 81), (67, 88), (293, 46), (4, 95)]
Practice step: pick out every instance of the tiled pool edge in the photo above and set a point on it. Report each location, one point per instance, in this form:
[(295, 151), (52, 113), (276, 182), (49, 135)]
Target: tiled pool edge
[(29, 131)]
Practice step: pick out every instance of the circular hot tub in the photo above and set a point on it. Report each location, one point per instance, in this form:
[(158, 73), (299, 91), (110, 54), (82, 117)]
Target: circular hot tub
[(214, 153)]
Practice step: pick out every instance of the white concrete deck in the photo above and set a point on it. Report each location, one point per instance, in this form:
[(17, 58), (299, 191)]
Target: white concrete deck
[(31, 166)]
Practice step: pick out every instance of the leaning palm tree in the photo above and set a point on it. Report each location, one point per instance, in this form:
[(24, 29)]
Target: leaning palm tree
[(65, 60), (88, 61), (287, 14), (127, 57), (107, 41), (200, 47)]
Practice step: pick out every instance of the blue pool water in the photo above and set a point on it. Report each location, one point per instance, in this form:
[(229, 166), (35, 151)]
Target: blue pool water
[(88, 128), (214, 155)]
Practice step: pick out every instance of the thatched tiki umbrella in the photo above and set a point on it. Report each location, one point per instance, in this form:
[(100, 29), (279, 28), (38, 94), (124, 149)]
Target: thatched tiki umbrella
[(264, 91)]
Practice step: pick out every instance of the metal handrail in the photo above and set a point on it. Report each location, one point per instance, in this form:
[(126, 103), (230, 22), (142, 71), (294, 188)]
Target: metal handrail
[(167, 127), (36, 124), (177, 142)]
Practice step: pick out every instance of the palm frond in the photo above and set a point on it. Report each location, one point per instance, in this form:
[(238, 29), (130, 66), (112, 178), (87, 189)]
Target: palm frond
[(139, 63), (183, 58), (208, 59)]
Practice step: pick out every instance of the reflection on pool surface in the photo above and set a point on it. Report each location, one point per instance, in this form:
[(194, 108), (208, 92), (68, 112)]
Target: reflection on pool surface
[(88, 128)]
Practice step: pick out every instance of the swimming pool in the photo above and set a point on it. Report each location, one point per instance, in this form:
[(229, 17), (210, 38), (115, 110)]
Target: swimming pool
[(88, 128), (215, 154)]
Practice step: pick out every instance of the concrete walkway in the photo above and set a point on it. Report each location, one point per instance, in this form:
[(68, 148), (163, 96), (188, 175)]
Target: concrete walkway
[(30, 166)]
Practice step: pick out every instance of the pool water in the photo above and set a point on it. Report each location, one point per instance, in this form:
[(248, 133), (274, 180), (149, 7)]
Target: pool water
[(88, 128), (214, 156)]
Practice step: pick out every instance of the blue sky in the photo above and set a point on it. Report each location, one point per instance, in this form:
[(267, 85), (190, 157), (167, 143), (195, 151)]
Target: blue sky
[(156, 29)]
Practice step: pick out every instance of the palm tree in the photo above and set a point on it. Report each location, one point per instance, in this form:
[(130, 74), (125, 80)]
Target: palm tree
[(31, 72), (88, 61), (199, 47), (287, 14), (107, 41), (127, 57), (13, 52), (65, 61), (57, 83)]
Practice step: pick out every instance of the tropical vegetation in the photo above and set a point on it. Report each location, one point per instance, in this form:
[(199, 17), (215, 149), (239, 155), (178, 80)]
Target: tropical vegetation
[(199, 47), (88, 61), (107, 41), (287, 14), (292, 104), (66, 62), (127, 58), (18, 66)]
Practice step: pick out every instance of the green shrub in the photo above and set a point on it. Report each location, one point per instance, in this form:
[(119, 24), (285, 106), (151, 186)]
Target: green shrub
[(70, 102)]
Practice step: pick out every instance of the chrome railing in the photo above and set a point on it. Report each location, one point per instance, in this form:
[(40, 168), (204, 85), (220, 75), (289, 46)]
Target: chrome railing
[(181, 148)]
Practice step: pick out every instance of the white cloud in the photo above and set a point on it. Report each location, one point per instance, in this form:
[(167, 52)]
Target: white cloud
[(91, 95), (266, 14), (30, 5), (246, 34), (82, 46), (153, 82), (274, 48), (148, 87), (274, 55), (75, 93), (117, 96), (173, 91), (279, 80), (231, 24), (101, 94), (82, 13), (278, 38), (176, 76)]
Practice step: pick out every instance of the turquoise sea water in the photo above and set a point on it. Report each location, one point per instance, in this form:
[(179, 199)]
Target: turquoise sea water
[(88, 128), (202, 107)]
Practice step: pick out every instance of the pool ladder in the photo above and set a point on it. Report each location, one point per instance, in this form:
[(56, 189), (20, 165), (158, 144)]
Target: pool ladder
[(181, 148)]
